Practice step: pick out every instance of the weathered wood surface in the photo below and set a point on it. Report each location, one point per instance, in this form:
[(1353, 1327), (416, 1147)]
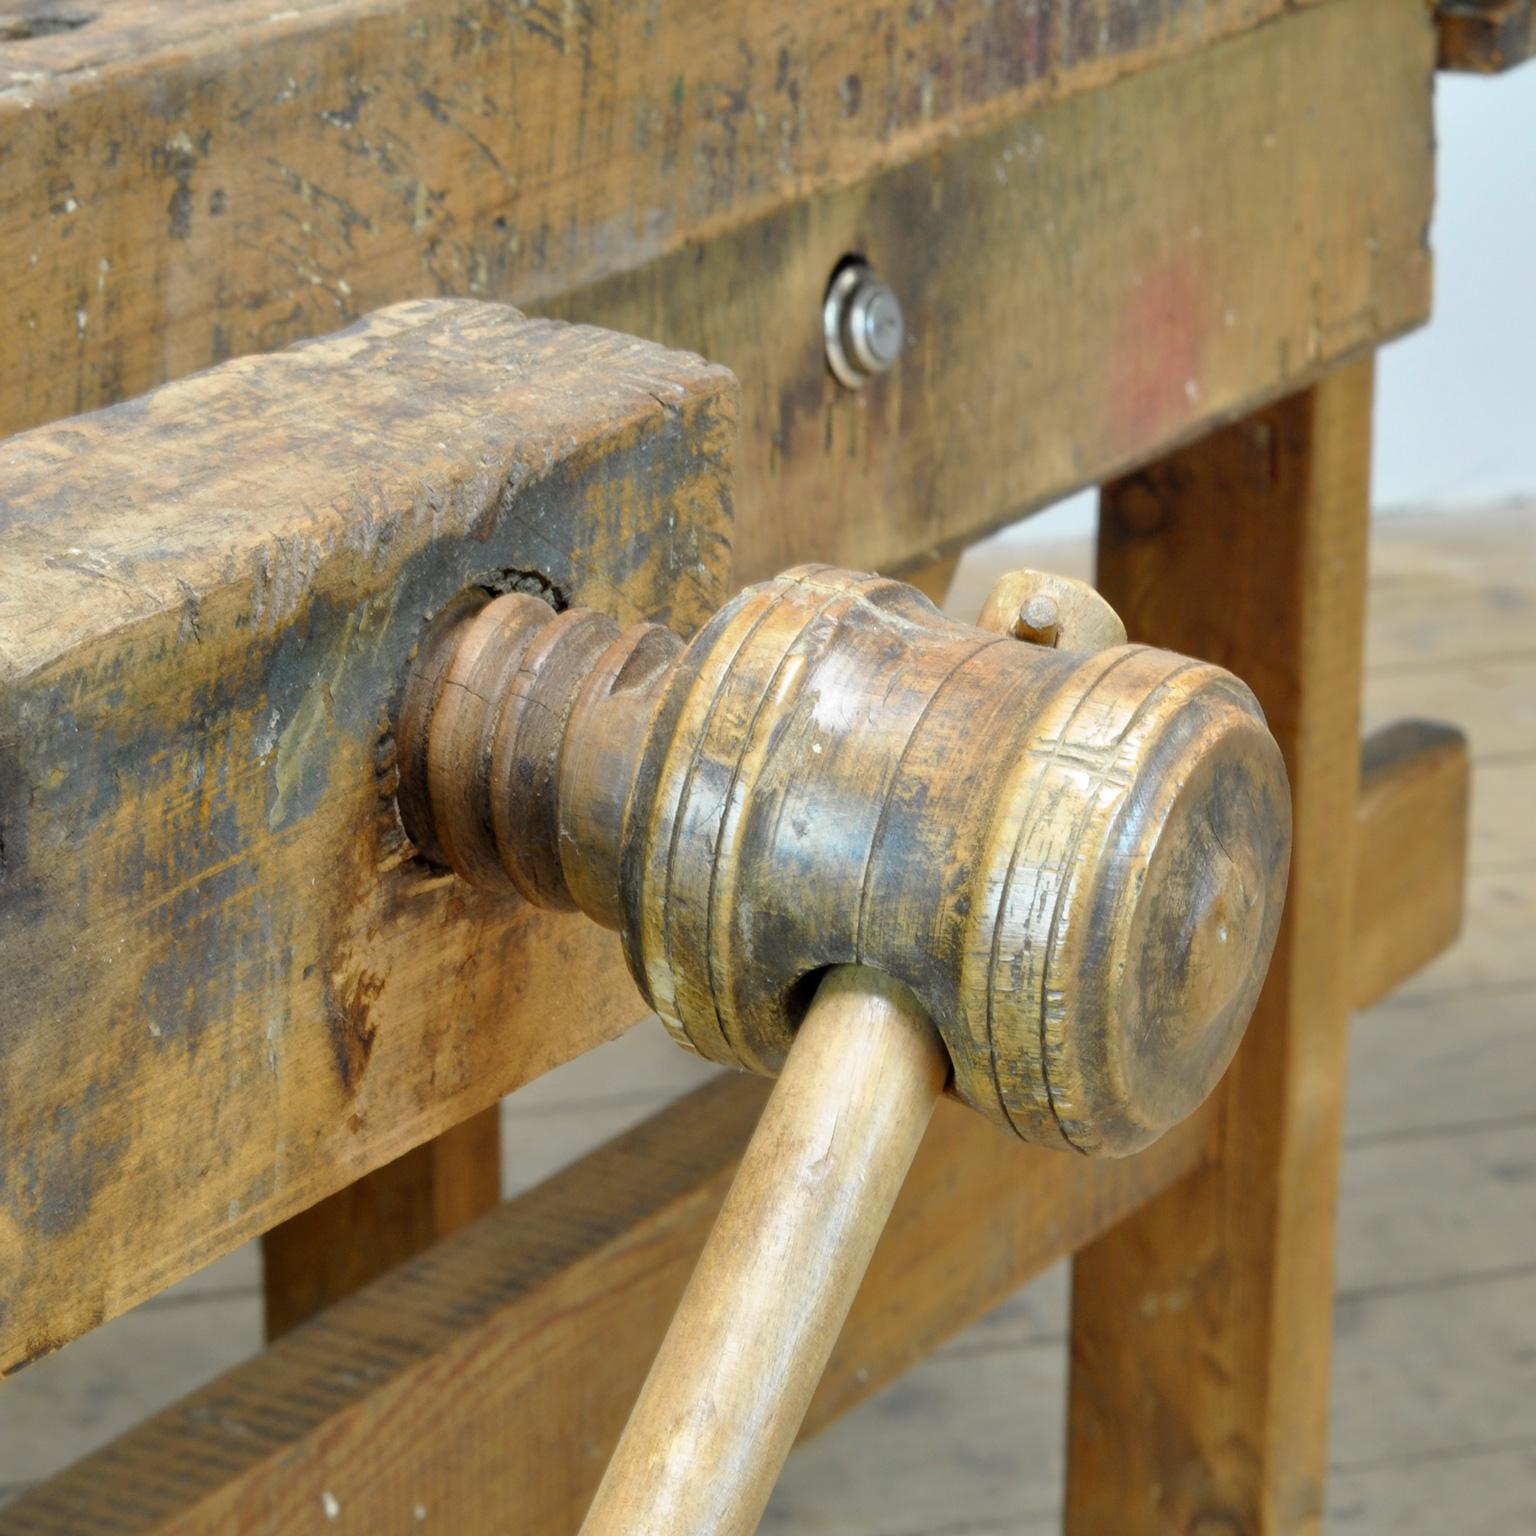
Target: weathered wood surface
[(1410, 853), (1110, 270), (1201, 1327), (519, 1343), (230, 988), (1423, 1070), (1083, 287), (208, 180), (1485, 37)]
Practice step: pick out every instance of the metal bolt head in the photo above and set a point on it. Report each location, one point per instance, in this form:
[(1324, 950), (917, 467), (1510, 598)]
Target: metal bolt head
[(1039, 620), (863, 325), (874, 327)]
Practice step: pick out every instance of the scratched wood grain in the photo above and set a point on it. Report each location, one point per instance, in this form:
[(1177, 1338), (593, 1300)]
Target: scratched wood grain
[(210, 185), (1084, 286), (230, 986), (208, 180)]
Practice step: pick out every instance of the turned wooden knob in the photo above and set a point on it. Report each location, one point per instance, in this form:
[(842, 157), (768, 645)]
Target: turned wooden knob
[(1075, 859)]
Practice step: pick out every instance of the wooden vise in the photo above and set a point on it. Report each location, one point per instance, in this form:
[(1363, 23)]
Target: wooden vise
[(332, 680), (880, 852)]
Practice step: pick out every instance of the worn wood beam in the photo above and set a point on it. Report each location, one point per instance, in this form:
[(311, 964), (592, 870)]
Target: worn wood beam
[(1119, 311), (1410, 853), (208, 180), (1485, 37), (1084, 287), (231, 987), (1110, 223), (486, 1381)]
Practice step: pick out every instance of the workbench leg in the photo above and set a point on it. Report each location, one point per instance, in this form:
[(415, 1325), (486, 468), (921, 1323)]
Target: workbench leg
[(1201, 1327), (386, 1217)]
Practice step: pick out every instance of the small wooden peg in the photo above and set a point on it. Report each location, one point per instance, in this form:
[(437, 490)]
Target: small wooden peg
[(1050, 610)]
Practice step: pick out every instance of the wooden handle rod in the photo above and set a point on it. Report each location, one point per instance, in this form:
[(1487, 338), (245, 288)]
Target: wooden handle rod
[(730, 1386)]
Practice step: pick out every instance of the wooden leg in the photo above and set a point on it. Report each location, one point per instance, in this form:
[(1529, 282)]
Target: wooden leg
[(390, 1215), (1201, 1327)]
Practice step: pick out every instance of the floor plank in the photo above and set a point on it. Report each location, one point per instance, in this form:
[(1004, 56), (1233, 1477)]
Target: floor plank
[(1468, 1492), (973, 1437), (1494, 697), (1418, 1066), (1451, 1206), (1503, 830), (1430, 1371)]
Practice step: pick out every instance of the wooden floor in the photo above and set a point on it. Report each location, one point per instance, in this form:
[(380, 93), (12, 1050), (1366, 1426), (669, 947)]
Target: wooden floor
[(1434, 1425)]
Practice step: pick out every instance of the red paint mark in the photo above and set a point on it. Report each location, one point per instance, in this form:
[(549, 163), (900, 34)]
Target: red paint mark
[(1155, 361)]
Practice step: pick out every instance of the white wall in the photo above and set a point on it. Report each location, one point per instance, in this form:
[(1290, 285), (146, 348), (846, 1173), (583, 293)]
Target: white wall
[(1456, 402)]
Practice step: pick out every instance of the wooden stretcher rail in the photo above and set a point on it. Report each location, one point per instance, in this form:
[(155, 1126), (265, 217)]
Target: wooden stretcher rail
[(486, 1381), (494, 1372), (1088, 274), (1410, 853)]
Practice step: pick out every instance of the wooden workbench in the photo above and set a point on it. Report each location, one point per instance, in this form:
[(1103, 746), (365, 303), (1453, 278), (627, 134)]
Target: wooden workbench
[(1150, 247)]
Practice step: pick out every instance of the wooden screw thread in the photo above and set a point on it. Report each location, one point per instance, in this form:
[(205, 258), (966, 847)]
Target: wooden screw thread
[(1075, 858), (507, 700), (722, 1404)]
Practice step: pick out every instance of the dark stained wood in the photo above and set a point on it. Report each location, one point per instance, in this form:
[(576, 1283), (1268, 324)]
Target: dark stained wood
[(1410, 853), (1084, 287), (486, 1381), (1201, 1327), (1087, 273), (231, 988), (1485, 37)]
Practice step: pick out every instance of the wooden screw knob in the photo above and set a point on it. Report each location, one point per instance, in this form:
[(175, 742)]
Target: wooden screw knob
[(1076, 859)]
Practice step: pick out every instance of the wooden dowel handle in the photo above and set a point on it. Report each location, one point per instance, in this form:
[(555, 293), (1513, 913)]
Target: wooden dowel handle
[(725, 1397)]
